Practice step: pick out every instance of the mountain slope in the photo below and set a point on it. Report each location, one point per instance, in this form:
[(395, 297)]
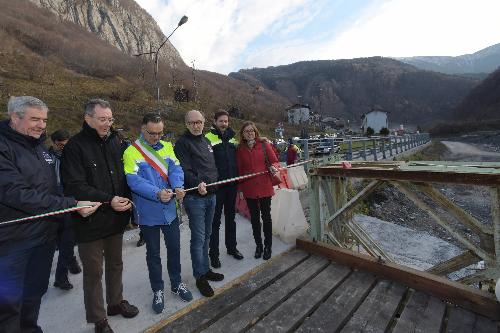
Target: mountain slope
[(483, 102), (349, 88), (484, 61), (65, 65)]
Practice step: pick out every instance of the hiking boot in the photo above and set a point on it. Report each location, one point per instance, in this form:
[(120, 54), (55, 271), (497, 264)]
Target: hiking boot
[(102, 326), (204, 287), (63, 284), (215, 262), (267, 253), (183, 292), (74, 266), (124, 308), (236, 254), (212, 276), (158, 301), (258, 252)]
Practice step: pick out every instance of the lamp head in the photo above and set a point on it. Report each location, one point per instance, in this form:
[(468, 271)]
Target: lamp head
[(183, 20)]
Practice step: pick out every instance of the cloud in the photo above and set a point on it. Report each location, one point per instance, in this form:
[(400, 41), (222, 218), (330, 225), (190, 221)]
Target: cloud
[(225, 35), (218, 31), (424, 27)]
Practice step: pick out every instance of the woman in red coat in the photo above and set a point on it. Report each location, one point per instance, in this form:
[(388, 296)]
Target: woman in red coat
[(251, 158)]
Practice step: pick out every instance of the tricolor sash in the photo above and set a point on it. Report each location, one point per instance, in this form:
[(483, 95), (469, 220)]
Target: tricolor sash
[(153, 158)]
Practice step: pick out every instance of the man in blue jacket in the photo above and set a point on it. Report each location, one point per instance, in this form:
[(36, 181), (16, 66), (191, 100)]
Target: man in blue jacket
[(27, 187), (154, 176)]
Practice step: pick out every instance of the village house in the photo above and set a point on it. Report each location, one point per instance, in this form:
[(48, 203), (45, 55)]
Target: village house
[(298, 113), (375, 119)]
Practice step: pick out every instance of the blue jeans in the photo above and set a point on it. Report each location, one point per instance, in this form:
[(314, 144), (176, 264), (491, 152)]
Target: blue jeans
[(200, 211), (171, 236), (24, 278)]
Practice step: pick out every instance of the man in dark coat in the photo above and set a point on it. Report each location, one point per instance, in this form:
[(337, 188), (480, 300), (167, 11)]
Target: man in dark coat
[(223, 141), (197, 160), (65, 235), (92, 169), (27, 187)]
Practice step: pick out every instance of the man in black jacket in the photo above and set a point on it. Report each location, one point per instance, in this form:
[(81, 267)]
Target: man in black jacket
[(222, 139), (92, 169), (197, 160), (65, 235), (27, 187)]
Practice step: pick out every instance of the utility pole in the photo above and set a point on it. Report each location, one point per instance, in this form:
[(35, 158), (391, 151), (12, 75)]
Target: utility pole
[(195, 83)]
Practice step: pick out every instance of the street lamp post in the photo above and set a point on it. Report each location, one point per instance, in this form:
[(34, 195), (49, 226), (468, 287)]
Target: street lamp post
[(157, 52)]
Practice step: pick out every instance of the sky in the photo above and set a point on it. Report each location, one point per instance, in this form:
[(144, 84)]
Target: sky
[(227, 35)]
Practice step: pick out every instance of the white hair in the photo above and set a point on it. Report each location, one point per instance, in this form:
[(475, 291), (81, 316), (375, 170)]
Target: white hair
[(19, 104)]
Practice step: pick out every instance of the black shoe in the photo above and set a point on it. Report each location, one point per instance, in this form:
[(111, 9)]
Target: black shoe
[(258, 252), (204, 287), (103, 327), (141, 242), (124, 308), (236, 254), (215, 262), (212, 276), (64, 284), (74, 266), (267, 253)]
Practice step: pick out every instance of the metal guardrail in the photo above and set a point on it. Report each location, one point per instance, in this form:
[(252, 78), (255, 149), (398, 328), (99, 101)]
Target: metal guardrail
[(362, 148)]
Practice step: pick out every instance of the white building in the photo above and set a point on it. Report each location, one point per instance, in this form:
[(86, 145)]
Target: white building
[(298, 114), (376, 119)]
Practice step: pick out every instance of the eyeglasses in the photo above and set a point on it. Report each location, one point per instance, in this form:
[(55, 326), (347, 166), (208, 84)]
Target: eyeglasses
[(104, 120), (249, 131), (197, 122), (155, 133)]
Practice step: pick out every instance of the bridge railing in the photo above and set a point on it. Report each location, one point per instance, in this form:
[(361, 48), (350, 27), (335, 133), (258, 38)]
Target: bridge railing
[(372, 148), (332, 208)]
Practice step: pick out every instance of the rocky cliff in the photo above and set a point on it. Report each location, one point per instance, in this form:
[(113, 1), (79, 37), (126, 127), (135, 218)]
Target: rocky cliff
[(122, 23)]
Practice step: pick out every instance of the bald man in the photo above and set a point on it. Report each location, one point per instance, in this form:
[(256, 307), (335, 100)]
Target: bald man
[(197, 160)]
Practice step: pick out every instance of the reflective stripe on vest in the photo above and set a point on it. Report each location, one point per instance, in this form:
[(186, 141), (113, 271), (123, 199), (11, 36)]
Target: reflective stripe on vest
[(215, 140)]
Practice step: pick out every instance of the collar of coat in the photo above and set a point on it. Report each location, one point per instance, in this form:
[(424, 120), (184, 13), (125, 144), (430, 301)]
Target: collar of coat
[(11, 134), (92, 133), (228, 133)]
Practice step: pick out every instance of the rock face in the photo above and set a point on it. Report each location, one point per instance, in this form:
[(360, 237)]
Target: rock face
[(122, 23)]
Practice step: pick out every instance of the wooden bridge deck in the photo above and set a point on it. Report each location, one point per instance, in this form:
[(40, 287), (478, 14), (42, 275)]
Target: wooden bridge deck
[(304, 292)]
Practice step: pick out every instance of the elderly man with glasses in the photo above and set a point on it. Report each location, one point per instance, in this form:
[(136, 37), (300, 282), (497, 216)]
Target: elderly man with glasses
[(92, 169), (155, 176), (28, 187), (197, 160)]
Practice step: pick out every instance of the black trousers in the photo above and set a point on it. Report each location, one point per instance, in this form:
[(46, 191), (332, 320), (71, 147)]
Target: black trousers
[(225, 198), (66, 247), (261, 207), (24, 278)]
